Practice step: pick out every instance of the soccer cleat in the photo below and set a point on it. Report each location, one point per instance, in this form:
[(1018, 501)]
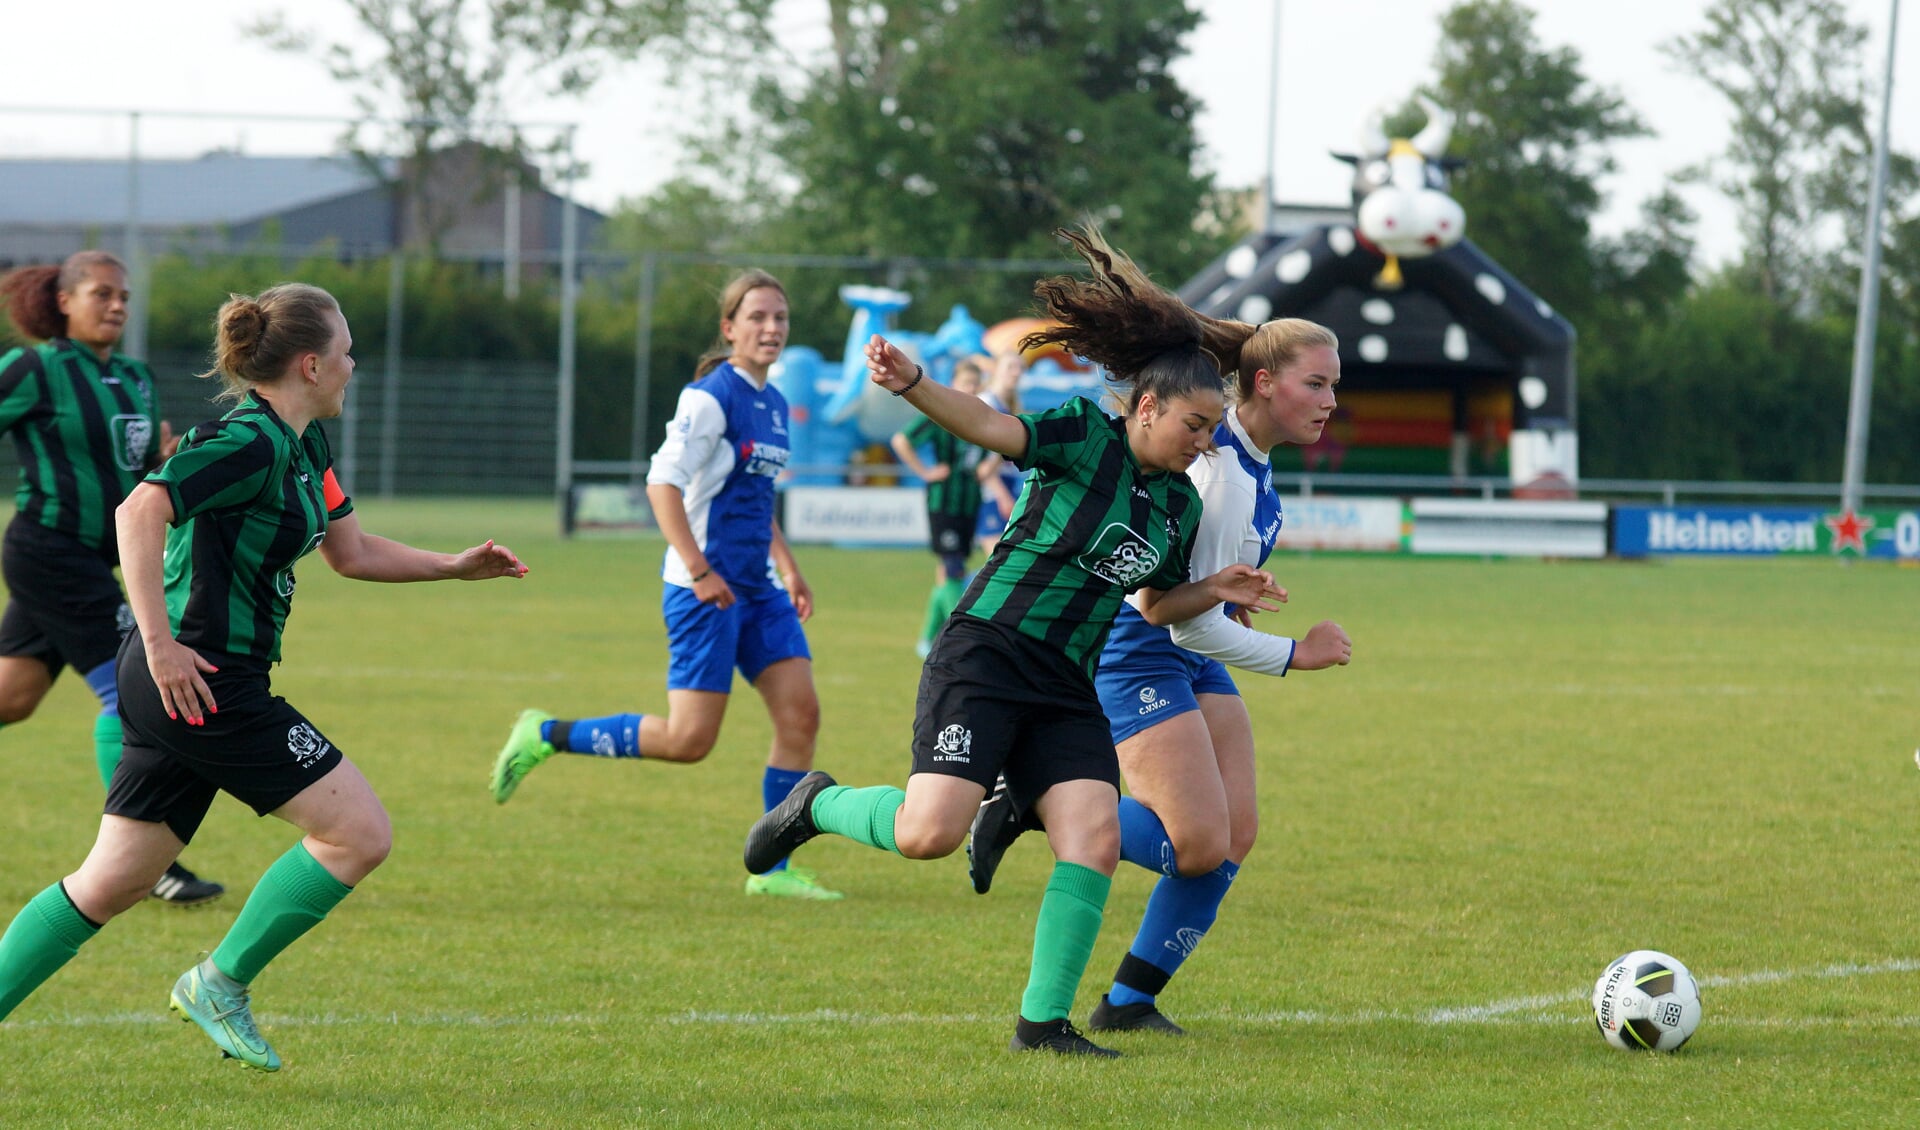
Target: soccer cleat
[(1139, 1017), (1061, 1038), (524, 751), (786, 825), (181, 887), (793, 883), (225, 1018), (994, 829)]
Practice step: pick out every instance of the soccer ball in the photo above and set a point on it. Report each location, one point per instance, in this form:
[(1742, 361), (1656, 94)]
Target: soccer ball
[(1646, 1001)]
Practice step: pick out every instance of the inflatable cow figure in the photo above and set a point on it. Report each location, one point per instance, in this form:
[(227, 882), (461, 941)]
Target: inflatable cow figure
[(1400, 200)]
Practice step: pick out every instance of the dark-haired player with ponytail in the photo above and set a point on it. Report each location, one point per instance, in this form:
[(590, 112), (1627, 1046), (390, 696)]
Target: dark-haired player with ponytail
[(209, 542), (1009, 685), (86, 423)]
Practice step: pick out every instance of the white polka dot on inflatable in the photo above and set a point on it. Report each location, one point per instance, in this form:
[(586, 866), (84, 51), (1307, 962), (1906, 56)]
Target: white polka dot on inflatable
[(1454, 342), (1340, 241), (1533, 391), (1240, 262), (1378, 311), (1373, 348), (1490, 288), (1293, 266), (1540, 304), (1255, 308)]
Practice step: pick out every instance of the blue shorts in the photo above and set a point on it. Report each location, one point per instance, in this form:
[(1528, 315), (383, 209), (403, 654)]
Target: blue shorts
[(1142, 691), (991, 524), (705, 643)]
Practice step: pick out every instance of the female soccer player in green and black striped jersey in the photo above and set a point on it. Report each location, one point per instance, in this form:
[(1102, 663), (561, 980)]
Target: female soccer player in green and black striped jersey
[(1009, 685), (209, 542), (86, 424)]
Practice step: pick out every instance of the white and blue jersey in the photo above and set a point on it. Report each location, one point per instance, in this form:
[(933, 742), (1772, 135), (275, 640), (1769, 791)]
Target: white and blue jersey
[(1148, 674), (725, 447)]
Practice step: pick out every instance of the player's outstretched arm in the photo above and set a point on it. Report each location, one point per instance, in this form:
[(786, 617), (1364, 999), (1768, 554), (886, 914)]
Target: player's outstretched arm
[(352, 552), (1236, 584), (963, 414)]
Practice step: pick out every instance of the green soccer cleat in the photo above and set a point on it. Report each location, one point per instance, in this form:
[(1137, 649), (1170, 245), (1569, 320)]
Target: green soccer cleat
[(792, 883), (225, 1018), (524, 751)]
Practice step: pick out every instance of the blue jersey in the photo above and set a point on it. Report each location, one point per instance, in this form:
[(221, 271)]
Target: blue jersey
[(1240, 520), (725, 448)]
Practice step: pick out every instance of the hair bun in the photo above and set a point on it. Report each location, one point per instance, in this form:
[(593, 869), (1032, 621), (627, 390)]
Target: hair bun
[(243, 323)]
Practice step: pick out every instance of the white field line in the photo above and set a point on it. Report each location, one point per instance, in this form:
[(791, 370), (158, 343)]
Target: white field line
[(1545, 1008)]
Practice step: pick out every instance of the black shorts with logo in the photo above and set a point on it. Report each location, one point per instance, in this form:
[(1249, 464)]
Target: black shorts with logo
[(952, 533), (258, 747), (64, 606), (992, 701)]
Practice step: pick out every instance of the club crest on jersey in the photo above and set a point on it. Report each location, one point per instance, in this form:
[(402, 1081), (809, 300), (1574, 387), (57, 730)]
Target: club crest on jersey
[(305, 744), (132, 437), (955, 743), (1121, 556)]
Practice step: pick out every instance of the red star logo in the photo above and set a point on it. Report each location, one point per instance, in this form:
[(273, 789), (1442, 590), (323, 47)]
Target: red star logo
[(1849, 529)]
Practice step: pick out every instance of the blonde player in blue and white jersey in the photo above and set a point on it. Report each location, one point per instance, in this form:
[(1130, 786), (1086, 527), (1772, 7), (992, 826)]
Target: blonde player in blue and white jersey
[(1182, 731), (734, 596)]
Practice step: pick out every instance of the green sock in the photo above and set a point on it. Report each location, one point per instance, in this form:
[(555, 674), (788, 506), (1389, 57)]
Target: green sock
[(862, 815), (936, 616), (45, 935), (947, 598), (106, 746), (1063, 940), (290, 899)]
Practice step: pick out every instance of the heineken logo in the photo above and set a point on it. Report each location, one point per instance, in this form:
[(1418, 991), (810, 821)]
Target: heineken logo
[(132, 438), (1121, 556)]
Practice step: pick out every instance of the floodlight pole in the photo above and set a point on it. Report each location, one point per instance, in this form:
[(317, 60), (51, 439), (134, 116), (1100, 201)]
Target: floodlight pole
[(1860, 399), (136, 338), (1271, 188), (569, 266)]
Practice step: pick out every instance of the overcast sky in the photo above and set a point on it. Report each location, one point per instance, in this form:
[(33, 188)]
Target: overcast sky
[(1337, 59)]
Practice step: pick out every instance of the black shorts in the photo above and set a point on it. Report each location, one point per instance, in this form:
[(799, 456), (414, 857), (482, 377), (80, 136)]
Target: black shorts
[(64, 606), (993, 701), (258, 747), (952, 533)]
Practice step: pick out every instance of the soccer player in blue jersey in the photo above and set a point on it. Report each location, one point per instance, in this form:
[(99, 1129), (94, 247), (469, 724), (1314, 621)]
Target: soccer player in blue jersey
[(1179, 723), (734, 596), (1010, 682), (87, 425), (209, 542)]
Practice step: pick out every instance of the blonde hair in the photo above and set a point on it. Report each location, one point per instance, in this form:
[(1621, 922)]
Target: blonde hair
[(1275, 345), (256, 338)]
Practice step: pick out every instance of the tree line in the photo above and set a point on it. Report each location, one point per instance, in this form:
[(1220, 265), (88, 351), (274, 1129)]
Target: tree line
[(970, 129)]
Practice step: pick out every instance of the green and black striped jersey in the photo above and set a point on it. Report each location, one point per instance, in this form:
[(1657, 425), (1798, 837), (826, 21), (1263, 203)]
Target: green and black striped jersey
[(1091, 526), (250, 499), (86, 432), (959, 493)]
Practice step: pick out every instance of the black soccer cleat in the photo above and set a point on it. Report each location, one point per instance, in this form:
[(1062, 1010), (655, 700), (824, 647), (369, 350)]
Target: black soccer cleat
[(1139, 1017), (994, 829), (181, 887), (1060, 1037), (786, 825)]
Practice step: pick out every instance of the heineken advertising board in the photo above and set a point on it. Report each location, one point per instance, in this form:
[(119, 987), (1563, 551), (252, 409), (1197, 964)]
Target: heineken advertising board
[(1758, 531)]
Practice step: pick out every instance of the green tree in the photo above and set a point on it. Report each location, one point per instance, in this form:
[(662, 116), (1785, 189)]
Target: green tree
[(1535, 134), (972, 130), (1790, 71), (435, 78)]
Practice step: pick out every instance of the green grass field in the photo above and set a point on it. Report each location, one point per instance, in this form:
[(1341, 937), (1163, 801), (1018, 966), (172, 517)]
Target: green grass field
[(1529, 769)]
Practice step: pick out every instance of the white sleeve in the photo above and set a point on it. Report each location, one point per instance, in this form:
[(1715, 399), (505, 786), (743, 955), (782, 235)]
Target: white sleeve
[(1226, 537), (696, 429)]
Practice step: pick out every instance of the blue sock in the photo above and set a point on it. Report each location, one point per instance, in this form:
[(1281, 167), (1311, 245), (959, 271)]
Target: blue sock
[(774, 787), (1179, 913), (1143, 839), (101, 681), (616, 735)]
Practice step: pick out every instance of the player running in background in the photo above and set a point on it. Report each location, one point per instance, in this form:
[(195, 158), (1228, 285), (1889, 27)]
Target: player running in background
[(87, 425), (1009, 685), (1180, 725), (734, 596), (209, 542), (960, 474)]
